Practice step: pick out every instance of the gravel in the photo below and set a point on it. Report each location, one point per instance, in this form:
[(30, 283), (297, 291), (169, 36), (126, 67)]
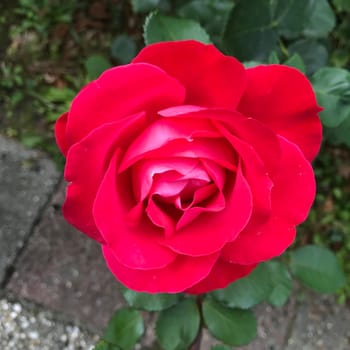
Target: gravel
[(25, 328)]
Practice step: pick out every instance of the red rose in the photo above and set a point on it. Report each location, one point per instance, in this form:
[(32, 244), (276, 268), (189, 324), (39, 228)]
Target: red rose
[(188, 168)]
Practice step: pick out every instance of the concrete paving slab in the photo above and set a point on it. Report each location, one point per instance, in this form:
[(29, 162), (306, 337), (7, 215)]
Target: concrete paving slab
[(24, 327), (320, 324), (27, 178), (64, 270)]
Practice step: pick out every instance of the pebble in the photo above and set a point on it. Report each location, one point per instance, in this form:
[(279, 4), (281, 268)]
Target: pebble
[(24, 328)]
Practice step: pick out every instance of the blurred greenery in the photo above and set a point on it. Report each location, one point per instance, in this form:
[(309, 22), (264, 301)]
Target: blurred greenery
[(51, 48)]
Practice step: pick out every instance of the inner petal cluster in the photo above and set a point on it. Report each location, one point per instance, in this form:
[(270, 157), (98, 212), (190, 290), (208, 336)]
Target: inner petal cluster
[(173, 191)]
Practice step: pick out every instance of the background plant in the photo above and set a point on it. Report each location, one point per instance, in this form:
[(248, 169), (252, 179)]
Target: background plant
[(55, 47)]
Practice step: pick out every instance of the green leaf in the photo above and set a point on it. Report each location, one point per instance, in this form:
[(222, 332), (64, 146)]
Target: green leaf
[(250, 33), (123, 49), (149, 302), (232, 326), (95, 65), (251, 64), (340, 134), (317, 268), (314, 54), (144, 6), (124, 328), (211, 14), (164, 28), (103, 345), (254, 27), (297, 62), (281, 281), (342, 5), (292, 15), (177, 327), (248, 291), (321, 20), (54, 94), (331, 86), (273, 58)]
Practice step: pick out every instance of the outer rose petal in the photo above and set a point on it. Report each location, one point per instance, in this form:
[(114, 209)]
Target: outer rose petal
[(211, 78), (119, 92), (282, 98), (135, 246), (260, 243), (294, 186), (86, 164), (255, 172), (221, 275), (164, 131), (60, 133), (182, 274), (250, 130)]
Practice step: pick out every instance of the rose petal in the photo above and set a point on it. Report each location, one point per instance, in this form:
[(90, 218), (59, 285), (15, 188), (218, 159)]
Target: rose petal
[(160, 218), (250, 130), (86, 164), (214, 204), (60, 133), (144, 172), (119, 92), (210, 233), (167, 185), (197, 196), (164, 131), (221, 275), (183, 273), (211, 79), (200, 113), (294, 186), (216, 172), (255, 173), (260, 243), (261, 138), (216, 150), (135, 246), (282, 98)]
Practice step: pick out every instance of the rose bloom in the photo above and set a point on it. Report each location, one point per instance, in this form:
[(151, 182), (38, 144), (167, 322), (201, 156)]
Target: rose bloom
[(187, 168)]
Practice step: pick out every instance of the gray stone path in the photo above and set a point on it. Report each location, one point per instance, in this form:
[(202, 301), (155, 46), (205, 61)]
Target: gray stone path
[(27, 179), (56, 292)]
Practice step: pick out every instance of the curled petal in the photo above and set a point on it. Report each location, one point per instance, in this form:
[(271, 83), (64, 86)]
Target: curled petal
[(145, 171), (256, 174), (282, 98), (257, 134), (60, 133), (260, 243), (216, 172), (217, 150), (211, 79), (86, 164), (214, 204), (160, 218), (196, 112), (294, 186), (135, 246), (168, 184), (164, 131), (210, 232), (181, 274), (261, 138), (222, 274), (119, 92)]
